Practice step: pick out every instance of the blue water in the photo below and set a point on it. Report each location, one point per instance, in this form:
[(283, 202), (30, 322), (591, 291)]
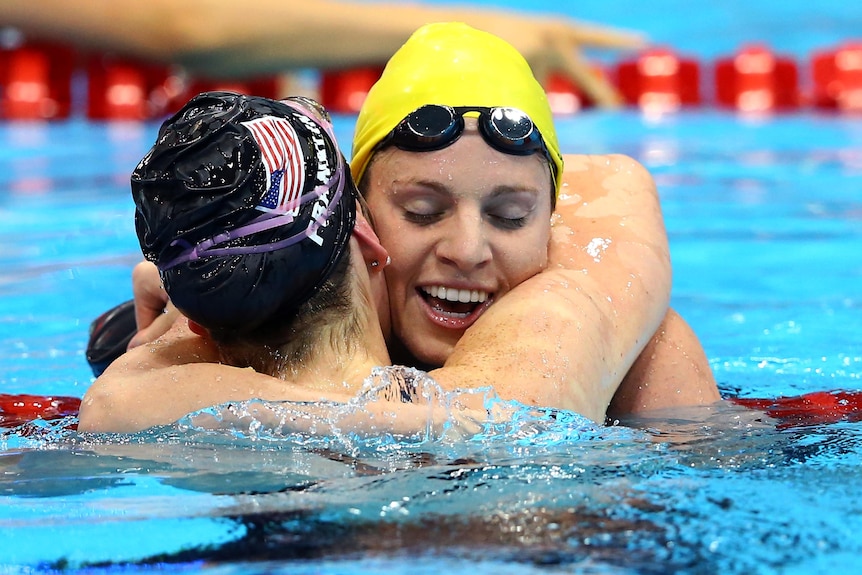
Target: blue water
[(765, 222)]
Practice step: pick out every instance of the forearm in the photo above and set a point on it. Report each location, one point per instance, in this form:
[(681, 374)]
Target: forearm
[(610, 228), (230, 38), (573, 331), (278, 36), (159, 382), (672, 371), (219, 38), (136, 393), (130, 397), (258, 35), (147, 386), (365, 416)]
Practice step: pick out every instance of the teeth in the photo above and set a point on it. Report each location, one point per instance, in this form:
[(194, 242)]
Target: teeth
[(459, 295)]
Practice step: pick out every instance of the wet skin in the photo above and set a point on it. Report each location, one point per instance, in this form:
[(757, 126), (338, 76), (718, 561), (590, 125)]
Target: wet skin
[(463, 226)]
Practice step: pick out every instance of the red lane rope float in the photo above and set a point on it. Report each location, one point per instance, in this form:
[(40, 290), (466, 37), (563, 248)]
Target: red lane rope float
[(659, 80), (837, 76), (757, 80), (816, 408), (17, 409), (36, 80)]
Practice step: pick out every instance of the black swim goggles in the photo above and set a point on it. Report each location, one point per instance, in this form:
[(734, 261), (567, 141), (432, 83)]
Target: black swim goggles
[(434, 127)]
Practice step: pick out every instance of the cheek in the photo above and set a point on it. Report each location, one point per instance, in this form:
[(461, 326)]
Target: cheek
[(406, 265), (530, 263), (384, 221), (525, 256), (399, 241), (394, 237)]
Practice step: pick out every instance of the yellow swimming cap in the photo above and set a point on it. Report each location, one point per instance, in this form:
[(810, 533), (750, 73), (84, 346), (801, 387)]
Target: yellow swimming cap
[(456, 65)]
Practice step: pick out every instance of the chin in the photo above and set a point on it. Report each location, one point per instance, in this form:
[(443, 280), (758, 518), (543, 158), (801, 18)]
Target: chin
[(433, 356)]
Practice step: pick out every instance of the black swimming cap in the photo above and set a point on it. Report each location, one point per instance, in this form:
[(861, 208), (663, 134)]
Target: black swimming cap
[(245, 206)]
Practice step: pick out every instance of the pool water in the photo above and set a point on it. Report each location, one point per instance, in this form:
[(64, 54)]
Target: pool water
[(764, 216), (764, 220)]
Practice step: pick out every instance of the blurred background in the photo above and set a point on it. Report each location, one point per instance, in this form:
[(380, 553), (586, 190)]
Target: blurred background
[(55, 80), (715, 28)]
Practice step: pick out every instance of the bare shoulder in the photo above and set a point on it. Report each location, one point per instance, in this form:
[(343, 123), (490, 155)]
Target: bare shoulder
[(131, 384), (607, 202), (178, 346), (591, 177), (606, 163)]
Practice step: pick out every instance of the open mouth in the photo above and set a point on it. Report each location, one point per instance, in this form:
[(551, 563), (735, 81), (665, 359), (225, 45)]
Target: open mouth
[(455, 303)]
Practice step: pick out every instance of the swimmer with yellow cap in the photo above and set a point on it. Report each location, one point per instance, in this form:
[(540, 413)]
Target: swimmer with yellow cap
[(456, 66), (456, 153), (617, 298)]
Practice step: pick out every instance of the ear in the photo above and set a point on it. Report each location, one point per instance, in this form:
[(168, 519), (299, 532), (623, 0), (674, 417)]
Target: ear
[(198, 329), (369, 244)]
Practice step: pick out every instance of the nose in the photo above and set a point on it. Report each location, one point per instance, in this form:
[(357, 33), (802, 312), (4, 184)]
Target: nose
[(465, 244)]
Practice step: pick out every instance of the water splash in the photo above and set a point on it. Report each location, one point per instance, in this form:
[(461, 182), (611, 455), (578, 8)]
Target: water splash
[(401, 410), (597, 247)]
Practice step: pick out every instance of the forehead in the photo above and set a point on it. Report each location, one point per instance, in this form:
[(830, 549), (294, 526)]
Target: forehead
[(468, 164)]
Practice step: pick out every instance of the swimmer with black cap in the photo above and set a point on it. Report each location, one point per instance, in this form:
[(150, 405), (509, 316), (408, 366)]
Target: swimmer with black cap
[(246, 207)]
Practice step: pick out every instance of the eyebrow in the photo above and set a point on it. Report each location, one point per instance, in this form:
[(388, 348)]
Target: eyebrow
[(506, 189), (442, 188)]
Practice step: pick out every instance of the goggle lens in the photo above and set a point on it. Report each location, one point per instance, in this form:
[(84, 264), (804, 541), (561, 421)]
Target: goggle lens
[(433, 127), (429, 128), (514, 130)]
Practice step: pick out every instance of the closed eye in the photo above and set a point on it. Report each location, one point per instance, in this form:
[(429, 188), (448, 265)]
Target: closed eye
[(425, 208), (511, 210), (509, 223), (422, 219)]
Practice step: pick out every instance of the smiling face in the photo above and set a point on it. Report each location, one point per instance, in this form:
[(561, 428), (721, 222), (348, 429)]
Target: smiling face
[(463, 226)]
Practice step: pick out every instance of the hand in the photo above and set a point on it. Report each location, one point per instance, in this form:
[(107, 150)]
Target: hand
[(154, 314), (235, 39), (554, 45)]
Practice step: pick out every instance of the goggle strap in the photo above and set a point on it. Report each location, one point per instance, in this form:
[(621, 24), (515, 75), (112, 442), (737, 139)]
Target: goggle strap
[(208, 247), (270, 220)]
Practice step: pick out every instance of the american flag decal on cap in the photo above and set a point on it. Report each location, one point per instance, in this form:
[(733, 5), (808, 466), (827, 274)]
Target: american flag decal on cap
[(284, 163)]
